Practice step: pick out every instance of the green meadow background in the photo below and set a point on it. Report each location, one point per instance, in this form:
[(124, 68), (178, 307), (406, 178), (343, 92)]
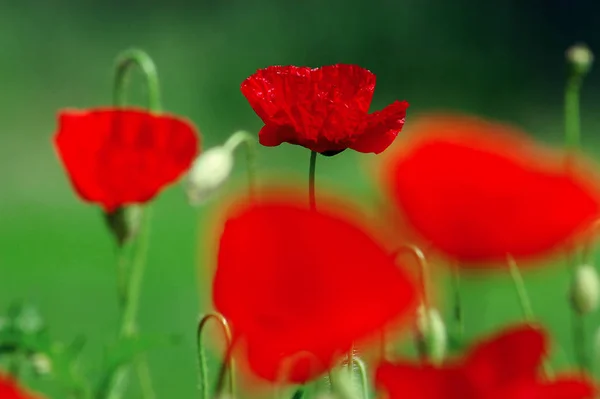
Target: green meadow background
[(499, 59)]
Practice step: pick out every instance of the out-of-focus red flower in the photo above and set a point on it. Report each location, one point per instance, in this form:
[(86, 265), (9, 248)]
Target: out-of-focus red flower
[(9, 389), (478, 191), (323, 109), (116, 157), (505, 366), (300, 286)]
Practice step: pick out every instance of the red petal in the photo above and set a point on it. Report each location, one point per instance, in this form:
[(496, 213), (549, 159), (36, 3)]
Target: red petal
[(381, 128), (9, 389), (477, 191), (323, 107), (117, 157), (404, 381), (512, 356), (559, 389), (291, 280)]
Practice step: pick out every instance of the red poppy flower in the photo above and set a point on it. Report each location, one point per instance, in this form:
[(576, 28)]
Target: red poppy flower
[(300, 286), (9, 389), (479, 191), (117, 157), (323, 109), (505, 366)]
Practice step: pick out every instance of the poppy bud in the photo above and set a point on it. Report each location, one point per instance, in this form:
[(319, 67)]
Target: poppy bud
[(585, 289), (208, 173), (124, 223), (41, 363), (431, 334), (580, 58), (343, 385)]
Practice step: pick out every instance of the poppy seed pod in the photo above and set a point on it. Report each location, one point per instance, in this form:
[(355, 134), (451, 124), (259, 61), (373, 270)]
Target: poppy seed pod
[(208, 173), (585, 289), (580, 59), (432, 331)]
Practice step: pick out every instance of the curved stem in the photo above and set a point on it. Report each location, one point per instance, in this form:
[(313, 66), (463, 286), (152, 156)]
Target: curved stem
[(140, 58), (521, 289), (227, 360), (117, 381), (243, 137), (422, 345), (311, 180), (423, 270), (362, 371)]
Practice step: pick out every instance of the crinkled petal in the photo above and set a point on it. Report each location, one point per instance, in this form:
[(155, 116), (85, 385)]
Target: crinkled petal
[(116, 157), (323, 107), (281, 271), (381, 128)]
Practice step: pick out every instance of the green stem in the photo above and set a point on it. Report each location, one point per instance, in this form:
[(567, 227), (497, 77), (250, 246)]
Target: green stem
[(458, 312), (117, 382), (243, 137), (572, 124), (227, 360), (362, 370), (578, 326), (525, 303), (423, 346), (520, 287), (311, 180), (140, 58)]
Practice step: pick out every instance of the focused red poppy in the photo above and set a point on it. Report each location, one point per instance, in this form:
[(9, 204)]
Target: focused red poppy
[(10, 389), (323, 109), (478, 191), (505, 366), (117, 157), (300, 286)]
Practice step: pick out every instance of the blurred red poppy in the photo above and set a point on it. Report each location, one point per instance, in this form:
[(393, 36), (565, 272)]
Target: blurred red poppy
[(117, 157), (478, 191), (323, 109), (505, 366), (300, 286), (9, 389)]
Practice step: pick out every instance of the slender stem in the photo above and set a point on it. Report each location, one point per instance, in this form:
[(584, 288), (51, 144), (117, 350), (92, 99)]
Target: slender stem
[(520, 287), (124, 62), (121, 274), (243, 137), (311, 180), (227, 360), (458, 312), (577, 324), (117, 382), (144, 377), (362, 371), (572, 124), (423, 346)]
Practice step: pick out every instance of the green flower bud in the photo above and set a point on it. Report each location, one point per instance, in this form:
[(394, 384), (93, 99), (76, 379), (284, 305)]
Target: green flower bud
[(124, 223), (208, 173), (580, 58), (585, 289), (431, 334)]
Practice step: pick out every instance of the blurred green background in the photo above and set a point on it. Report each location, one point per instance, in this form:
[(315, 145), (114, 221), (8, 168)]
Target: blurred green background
[(498, 59)]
